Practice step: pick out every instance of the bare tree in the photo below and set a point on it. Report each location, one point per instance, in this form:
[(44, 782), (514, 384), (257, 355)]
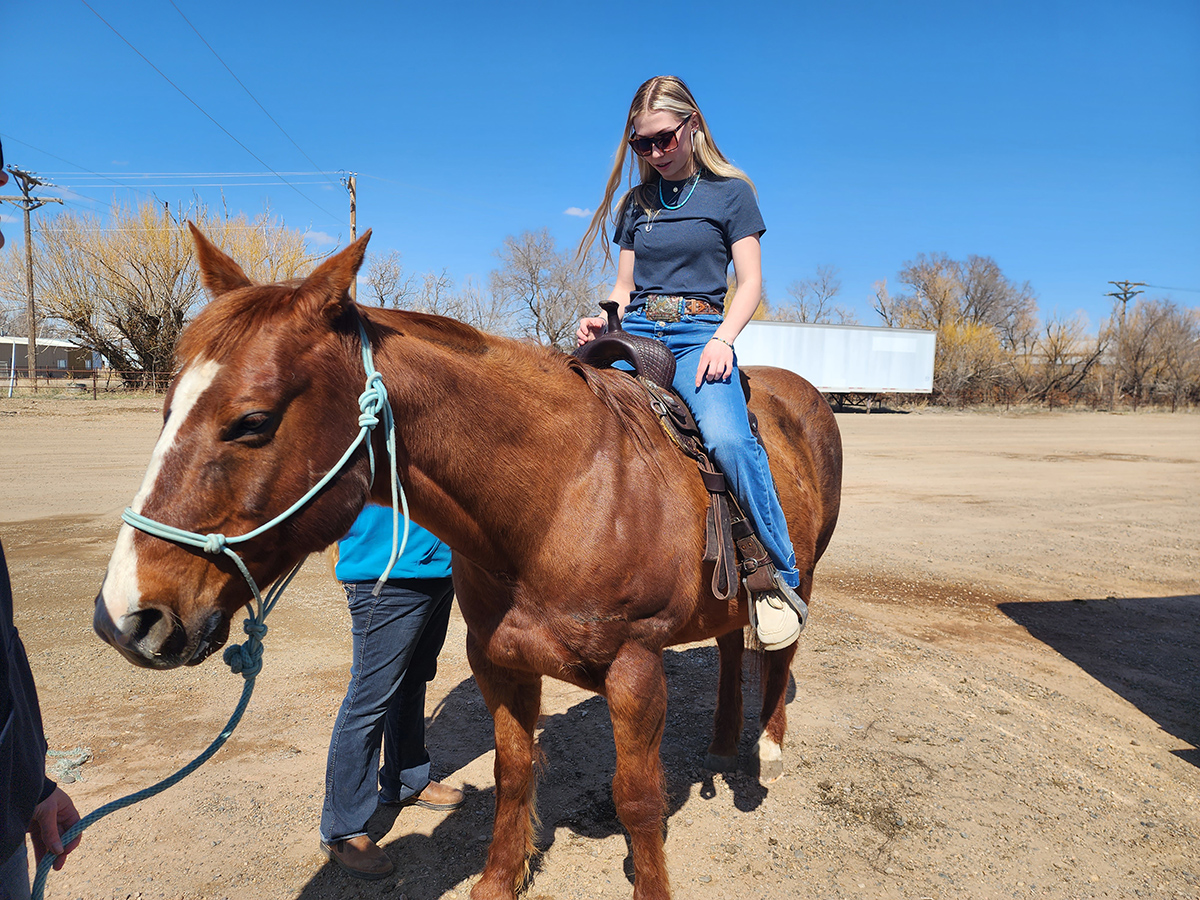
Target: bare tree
[(973, 307), (1137, 349), (13, 300), (388, 283), (989, 298), (885, 305), (1178, 352), (813, 300), (1055, 363), (473, 305), (550, 289), (937, 295)]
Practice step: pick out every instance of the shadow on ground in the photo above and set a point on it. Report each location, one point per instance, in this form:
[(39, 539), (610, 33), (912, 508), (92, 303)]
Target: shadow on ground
[(1145, 649), (574, 785)]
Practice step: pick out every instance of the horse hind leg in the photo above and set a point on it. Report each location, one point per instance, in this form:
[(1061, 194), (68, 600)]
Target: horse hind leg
[(776, 672), (637, 701), (727, 721), (515, 701)]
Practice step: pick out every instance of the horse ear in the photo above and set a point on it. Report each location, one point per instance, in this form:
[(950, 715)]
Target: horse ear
[(330, 282), (218, 272)]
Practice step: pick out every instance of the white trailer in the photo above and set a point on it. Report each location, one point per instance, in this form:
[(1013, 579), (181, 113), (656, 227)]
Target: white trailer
[(849, 362)]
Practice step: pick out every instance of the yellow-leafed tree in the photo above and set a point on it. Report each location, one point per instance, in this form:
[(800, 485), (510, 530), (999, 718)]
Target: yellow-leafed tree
[(125, 287)]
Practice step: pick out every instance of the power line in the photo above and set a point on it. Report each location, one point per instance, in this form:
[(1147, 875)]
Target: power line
[(1163, 287), (206, 114), (180, 174), (209, 184), (76, 165), (247, 90)]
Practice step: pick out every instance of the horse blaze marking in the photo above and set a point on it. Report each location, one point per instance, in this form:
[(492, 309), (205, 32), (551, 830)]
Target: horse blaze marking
[(120, 588)]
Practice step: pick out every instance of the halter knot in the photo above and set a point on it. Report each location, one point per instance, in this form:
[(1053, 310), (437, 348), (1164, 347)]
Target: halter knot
[(371, 401), (215, 543), (246, 659)]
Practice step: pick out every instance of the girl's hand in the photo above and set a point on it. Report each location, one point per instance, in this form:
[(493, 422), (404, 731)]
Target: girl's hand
[(590, 328), (716, 362)]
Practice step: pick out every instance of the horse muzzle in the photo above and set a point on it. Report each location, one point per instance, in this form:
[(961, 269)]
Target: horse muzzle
[(156, 638)]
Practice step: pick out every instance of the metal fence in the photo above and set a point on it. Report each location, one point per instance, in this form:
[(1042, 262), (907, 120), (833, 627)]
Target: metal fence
[(80, 382)]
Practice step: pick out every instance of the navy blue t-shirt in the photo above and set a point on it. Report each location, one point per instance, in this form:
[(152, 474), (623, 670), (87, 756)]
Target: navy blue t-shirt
[(685, 252)]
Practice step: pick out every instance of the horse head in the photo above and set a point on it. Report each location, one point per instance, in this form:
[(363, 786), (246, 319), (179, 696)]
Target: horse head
[(255, 416)]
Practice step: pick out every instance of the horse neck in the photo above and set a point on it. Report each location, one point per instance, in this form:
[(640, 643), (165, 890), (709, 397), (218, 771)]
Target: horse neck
[(486, 430)]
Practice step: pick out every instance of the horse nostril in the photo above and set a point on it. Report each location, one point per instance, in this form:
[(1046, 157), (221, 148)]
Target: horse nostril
[(153, 632), (136, 626)]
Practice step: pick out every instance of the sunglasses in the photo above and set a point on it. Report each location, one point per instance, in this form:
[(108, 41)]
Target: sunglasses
[(665, 142)]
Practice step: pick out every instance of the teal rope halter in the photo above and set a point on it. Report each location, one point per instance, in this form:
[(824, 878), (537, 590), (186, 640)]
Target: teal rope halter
[(246, 659)]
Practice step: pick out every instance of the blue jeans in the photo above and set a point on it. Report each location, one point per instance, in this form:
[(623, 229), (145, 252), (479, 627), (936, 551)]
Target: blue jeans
[(397, 638), (14, 875), (720, 411)]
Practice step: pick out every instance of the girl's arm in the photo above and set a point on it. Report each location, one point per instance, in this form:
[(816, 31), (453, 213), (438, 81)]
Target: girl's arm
[(716, 360), (591, 327)]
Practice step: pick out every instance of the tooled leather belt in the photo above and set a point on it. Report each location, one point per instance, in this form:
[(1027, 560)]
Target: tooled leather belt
[(665, 308)]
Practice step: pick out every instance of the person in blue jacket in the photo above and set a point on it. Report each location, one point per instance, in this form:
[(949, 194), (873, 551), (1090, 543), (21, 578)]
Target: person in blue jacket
[(31, 802), (397, 636)]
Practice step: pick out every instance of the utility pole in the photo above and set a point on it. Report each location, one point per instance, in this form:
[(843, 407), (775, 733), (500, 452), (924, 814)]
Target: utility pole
[(1125, 292), (350, 182), (27, 182)]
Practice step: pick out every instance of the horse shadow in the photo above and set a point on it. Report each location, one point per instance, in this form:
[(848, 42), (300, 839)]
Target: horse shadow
[(1142, 648), (574, 790)]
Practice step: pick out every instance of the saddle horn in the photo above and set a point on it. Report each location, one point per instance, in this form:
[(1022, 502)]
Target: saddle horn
[(646, 356)]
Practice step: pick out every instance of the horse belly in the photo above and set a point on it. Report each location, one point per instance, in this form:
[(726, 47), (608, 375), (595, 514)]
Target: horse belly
[(569, 649)]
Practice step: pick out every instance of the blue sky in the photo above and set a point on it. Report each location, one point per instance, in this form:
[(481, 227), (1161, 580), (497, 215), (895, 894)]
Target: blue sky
[(1060, 138)]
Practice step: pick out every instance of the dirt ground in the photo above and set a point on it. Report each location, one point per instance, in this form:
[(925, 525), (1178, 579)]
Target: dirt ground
[(998, 693)]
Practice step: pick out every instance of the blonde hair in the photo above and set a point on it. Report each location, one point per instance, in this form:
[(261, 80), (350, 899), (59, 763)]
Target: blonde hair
[(661, 93)]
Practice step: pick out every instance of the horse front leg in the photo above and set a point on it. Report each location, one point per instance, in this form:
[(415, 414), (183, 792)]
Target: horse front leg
[(776, 670), (637, 701), (727, 721), (514, 699)]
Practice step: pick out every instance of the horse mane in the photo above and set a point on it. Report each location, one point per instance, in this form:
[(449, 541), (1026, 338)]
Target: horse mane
[(528, 360), (449, 333), (224, 324), (628, 403)]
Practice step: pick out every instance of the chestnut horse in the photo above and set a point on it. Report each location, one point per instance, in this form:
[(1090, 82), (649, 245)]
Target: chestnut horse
[(577, 528)]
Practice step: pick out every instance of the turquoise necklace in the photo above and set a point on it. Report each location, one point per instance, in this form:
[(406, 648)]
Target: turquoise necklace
[(665, 205)]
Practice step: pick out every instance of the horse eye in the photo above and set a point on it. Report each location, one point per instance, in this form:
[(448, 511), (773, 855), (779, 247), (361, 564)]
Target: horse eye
[(251, 425)]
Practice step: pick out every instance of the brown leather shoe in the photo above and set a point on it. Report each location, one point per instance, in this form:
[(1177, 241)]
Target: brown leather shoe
[(436, 796), (359, 856)]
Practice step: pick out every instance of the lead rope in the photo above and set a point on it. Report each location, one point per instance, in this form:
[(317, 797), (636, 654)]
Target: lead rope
[(246, 659)]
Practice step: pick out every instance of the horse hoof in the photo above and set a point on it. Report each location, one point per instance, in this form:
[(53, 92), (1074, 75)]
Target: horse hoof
[(715, 763), (770, 771)]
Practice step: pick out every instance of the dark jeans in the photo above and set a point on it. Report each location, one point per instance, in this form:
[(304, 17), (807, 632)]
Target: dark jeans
[(14, 876), (397, 638)]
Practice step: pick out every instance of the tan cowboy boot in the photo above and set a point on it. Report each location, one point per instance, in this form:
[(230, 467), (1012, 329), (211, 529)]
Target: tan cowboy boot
[(778, 615), (359, 856)]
